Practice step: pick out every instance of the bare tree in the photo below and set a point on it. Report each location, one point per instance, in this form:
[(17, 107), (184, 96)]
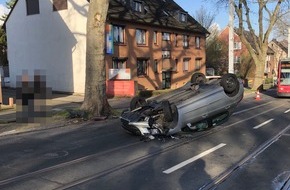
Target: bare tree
[(215, 50), (95, 100), (265, 13), (204, 17), (282, 25)]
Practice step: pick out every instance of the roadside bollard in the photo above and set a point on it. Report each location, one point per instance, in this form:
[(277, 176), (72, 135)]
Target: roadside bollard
[(11, 102)]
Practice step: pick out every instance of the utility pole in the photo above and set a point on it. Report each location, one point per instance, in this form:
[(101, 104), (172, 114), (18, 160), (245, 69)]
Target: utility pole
[(231, 36), (288, 42), (1, 98)]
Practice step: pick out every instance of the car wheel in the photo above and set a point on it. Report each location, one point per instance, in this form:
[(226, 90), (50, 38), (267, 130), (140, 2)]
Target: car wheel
[(168, 116), (198, 78), (137, 102), (230, 84)]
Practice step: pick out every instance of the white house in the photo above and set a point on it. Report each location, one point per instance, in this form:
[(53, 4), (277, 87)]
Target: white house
[(48, 35)]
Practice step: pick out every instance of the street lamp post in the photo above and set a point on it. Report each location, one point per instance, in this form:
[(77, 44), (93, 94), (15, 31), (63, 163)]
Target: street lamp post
[(288, 42)]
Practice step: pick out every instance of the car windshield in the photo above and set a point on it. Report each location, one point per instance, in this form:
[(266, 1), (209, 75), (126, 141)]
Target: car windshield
[(285, 77)]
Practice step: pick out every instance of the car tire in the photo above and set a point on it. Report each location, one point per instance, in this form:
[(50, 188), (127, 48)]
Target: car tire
[(137, 102), (198, 78), (230, 84), (168, 116)]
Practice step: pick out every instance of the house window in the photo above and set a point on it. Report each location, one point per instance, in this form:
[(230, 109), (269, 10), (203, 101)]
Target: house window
[(119, 63), (155, 66), (182, 17), (237, 59), (59, 5), (185, 41), (137, 6), (142, 65), (197, 64), (176, 40), (237, 45), (197, 42), (185, 64), (165, 54), (118, 32), (32, 7), (141, 37), (155, 37), (175, 65), (218, 47), (166, 36)]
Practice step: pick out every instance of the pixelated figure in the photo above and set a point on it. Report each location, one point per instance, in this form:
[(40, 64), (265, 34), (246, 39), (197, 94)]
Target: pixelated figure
[(31, 98)]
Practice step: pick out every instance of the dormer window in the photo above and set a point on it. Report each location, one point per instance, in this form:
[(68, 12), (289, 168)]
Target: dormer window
[(137, 6), (182, 17)]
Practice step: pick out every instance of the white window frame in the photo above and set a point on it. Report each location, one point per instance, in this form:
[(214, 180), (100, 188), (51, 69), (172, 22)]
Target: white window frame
[(185, 64), (185, 41), (119, 63), (118, 33), (137, 6), (165, 36), (175, 65), (237, 59), (182, 17), (237, 45), (155, 33), (197, 63), (197, 42), (141, 36)]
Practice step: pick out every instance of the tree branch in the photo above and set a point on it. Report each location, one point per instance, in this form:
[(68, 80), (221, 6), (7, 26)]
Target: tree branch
[(272, 19)]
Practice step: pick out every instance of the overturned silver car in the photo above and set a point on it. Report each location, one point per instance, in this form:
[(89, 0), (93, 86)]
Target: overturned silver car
[(199, 104)]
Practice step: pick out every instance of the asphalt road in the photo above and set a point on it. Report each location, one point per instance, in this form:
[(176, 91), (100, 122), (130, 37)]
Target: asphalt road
[(250, 151)]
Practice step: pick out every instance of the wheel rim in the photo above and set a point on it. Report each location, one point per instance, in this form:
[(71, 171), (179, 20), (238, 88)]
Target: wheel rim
[(230, 83)]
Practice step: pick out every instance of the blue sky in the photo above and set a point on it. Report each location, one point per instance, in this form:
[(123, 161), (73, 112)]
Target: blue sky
[(191, 6), (3, 9)]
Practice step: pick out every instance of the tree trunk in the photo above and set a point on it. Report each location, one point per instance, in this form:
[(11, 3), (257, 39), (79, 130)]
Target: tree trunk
[(259, 75), (257, 46), (260, 61), (95, 100)]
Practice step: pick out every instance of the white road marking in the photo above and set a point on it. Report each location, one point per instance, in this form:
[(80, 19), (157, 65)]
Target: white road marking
[(245, 110), (186, 162), (262, 124), (287, 111)]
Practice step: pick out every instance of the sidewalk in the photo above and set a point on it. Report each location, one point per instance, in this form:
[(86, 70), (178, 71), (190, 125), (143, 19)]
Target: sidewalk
[(58, 103)]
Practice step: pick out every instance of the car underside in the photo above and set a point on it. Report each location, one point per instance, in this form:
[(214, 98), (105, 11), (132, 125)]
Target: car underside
[(199, 104)]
